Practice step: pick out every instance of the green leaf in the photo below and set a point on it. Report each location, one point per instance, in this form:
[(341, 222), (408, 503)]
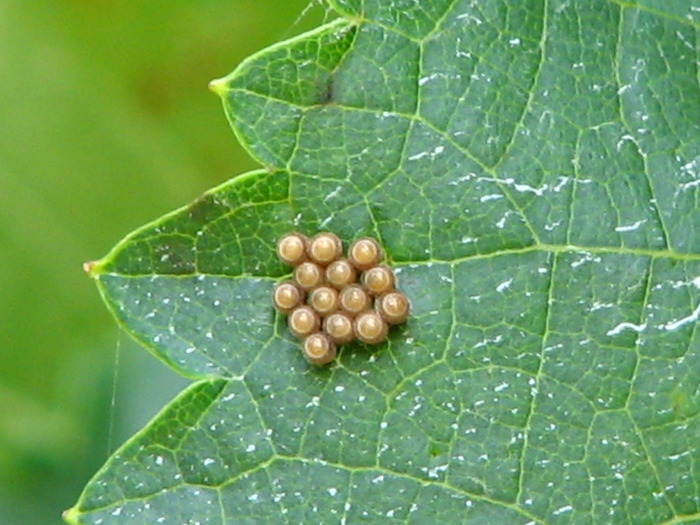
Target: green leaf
[(532, 170)]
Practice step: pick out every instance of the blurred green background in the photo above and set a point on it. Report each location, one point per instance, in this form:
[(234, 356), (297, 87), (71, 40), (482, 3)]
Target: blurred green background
[(105, 124)]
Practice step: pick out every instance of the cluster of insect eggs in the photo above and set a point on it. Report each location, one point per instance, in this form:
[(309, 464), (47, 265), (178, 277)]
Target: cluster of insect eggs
[(326, 303)]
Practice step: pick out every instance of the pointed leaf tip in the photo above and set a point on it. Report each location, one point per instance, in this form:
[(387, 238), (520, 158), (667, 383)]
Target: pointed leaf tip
[(218, 86), (88, 266), (92, 268), (70, 516)]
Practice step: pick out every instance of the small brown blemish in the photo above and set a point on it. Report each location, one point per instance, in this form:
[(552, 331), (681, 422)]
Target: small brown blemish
[(681, 404), (204, 208), (325, 93)]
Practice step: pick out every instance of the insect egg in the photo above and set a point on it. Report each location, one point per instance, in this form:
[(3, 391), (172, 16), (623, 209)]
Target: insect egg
[(325, 248), (354, 299), (370, 327), (318, 349), (324, 300), (341, 273), (291, 248), (333, 300), (393, 307), (286, 296), (303, 321), (339, 327), (308, 275), (379, 280), (365, 253)]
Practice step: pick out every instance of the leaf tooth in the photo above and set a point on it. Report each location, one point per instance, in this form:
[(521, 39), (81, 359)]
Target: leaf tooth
[(218, 86), (93, 268)]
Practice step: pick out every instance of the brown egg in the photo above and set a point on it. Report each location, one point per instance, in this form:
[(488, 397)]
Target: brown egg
[(354, 299), (291, 248), (324, 300), (324, 248), (308, 275), (341, 273), (303, 321), (336, 302), (339, 327), (393, 307), (379, 280), (319, 349), (370, 328), (286, 296), (365, 253)]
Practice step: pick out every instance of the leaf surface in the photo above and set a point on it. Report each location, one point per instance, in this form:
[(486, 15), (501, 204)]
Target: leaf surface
[(532, 170)]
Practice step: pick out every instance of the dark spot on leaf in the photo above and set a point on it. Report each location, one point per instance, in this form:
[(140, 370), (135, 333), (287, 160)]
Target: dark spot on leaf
[(682, 404), (174, 257), (325, 92), (437, 449), (204, 209)]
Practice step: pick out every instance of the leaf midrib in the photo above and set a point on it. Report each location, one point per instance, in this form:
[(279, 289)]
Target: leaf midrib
[(540, 247)]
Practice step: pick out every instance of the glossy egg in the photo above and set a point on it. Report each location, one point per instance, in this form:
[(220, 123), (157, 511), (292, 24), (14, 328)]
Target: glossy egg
[(308, 275), (393, 307), (333, 300), (354, 299), (324, 300), (370, 328), (319, 349), (286, 296), (339, 327), (379, 280), (324, 248), (303, 321), (341, 273), (365, 253), (291, 249)]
